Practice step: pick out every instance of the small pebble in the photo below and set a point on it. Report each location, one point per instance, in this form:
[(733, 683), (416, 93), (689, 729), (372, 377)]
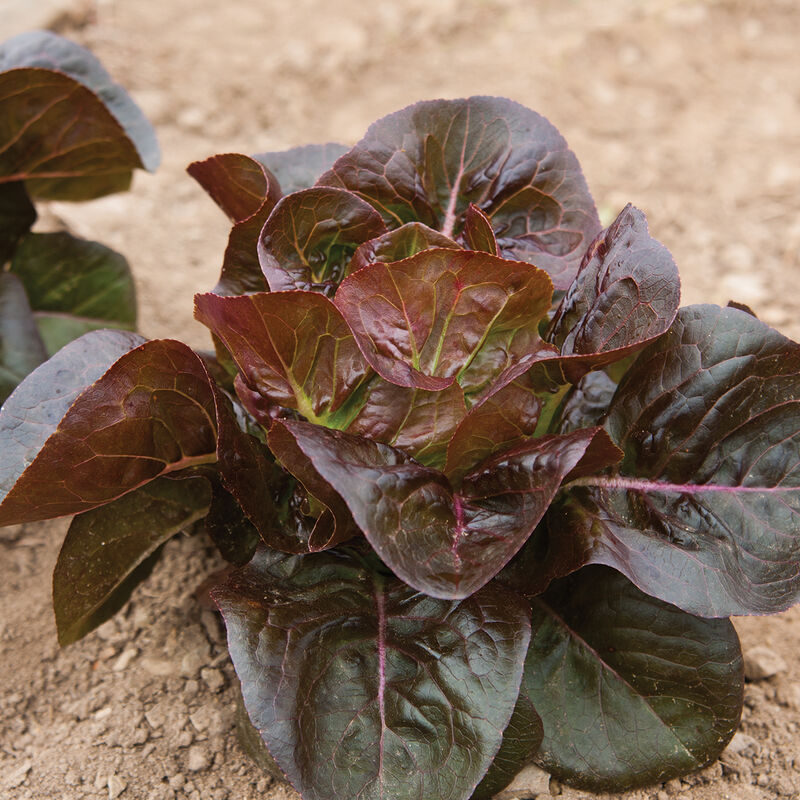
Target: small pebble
[(116, 786), (528, 783), (125, 658), (762, 662), (158, 667), (212, 678), (198, 759), (742, 743)]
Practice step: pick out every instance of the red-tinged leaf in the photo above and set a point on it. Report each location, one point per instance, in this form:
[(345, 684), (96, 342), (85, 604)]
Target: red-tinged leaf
[(444, 543), (66, 128), (588, 402), (400, 243), (311, 235), (151, 413), (108, 548), (505, 415), (247, 192), (625, 295), (33, 412), (478, 233), (21, 346), (362, 687), (17, 216), (236, 183), (293, 348), (445, 315), (418, 422), (631, 691), (299, 167), (704, 511), (521, 741), (335, 523), (428, 162)]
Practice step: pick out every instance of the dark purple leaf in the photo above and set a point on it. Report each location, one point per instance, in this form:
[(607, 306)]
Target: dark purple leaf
[(445, 315), (445, 543), (625, 295), (66, 128), (428, 162), (478, 233), (418, 422), (98, 563), (630, 690), (247, 192), (74, 286), (400, 243), (232, 532), (151, 413), (704, 512), (588, 402), (21, 346), (17, 215), (521, 741), (363, 688), (299, 167), (311, 235), (293, 348)]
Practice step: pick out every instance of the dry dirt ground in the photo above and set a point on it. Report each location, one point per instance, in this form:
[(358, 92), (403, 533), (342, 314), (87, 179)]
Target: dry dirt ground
[(691, 110)]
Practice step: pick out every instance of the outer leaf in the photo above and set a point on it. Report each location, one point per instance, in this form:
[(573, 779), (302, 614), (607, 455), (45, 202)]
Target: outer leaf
[(66, 276), (630, 690), (400, 243), (229, 528), (363, 688), (33, 412), (17, 215), (292, 347), (478, 233), (310, 236), (299, 167), (521, 741), (21, 347), (151, 413), (626, 294), (445, 315), (447, 544), (247, 192), (45, 50), (420, 423), (428, 162), (588, 403), (705, 511), (96, 568)]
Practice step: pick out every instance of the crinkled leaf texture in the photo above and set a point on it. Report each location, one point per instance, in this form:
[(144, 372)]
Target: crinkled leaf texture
[(74, 286), (66, 128), (630, 689), (362, 687), (399, 243), (443, 316), (705, 509), (444, 542), (428, 162), (102, 557)]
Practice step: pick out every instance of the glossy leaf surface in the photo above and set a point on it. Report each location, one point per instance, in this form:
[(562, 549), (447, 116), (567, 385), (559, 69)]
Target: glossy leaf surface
[(299, 167), (445, 543), (151, 413), (21, 346), (74, 286), (105, 546), (444, 316), (626, 294), (66, 128), (294, 348), (17, 215), (399, 243), (363, 688), (428, 162), (310, 237), (705, 510), (630, 690)]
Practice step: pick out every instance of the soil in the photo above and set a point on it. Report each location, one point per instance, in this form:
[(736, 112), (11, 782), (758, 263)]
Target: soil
[(690, 110)]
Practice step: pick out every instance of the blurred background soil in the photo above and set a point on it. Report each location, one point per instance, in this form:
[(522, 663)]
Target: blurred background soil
[(689, 109)]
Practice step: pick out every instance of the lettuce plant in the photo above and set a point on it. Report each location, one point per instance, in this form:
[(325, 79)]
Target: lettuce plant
[(67, 132), (489, 493)]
